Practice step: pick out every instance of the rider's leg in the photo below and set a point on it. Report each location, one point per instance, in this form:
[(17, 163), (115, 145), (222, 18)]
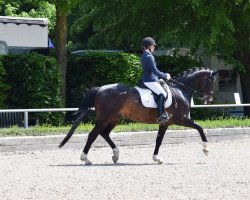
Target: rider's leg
[(162, 115), (157, 89)]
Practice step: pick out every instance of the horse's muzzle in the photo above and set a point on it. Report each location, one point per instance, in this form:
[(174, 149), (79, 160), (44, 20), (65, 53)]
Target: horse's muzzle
[(208, 99)]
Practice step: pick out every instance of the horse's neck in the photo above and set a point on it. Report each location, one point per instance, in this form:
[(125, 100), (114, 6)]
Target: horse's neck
[(191, 84)]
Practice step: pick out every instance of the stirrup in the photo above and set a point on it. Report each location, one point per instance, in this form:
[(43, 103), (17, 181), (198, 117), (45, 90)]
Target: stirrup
[(163, 118)]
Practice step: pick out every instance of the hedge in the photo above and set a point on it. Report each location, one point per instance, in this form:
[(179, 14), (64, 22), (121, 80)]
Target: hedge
[(97, 69), (4, 87), (35, 83)]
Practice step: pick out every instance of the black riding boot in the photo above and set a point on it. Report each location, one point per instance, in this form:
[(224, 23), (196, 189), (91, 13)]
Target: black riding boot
[(162, 115)]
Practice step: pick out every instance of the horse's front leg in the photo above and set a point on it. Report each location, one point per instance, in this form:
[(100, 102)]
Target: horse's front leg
[(184, 121), (160, 136)]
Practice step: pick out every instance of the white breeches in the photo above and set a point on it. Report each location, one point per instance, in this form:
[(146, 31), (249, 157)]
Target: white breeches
[(156, 88)]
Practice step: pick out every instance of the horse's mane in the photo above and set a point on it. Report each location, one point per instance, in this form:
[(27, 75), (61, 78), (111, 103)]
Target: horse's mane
[(188, 72)]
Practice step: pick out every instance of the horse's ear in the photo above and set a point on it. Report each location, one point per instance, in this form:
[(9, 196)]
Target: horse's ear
[(215, 72)]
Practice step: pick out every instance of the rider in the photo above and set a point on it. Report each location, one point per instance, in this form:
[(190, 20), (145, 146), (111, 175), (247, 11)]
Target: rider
[(151, 74)]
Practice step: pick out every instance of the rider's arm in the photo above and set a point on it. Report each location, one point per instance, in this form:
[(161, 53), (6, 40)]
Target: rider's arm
[(152, 66)]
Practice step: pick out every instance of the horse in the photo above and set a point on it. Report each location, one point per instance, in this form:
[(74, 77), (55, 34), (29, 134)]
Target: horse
[(113, 102)]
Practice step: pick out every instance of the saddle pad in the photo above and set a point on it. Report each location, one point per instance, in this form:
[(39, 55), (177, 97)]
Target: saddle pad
[(147, 98)]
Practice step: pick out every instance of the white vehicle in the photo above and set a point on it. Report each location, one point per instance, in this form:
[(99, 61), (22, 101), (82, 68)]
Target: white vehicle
[(20, 34)]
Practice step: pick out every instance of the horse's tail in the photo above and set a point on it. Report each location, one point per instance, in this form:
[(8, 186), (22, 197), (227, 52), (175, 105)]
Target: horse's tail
[(87, 102)]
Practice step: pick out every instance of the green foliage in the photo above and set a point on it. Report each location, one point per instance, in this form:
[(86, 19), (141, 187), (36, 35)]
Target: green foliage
[(97, 69), (215, 26), (176, 64), (35, 83), (4, 87), (206, 113)]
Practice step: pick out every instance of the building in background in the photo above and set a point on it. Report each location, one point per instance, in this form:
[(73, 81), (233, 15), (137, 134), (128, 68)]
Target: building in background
[(228, 83)]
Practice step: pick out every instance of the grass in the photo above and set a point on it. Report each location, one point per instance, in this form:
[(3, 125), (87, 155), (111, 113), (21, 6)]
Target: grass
[(85, 128)]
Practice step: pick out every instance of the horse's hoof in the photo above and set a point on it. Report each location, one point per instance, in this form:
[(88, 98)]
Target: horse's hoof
[(205, 148), (158, 160), (115, 159), (84, 158), (88, 163), (205, 151)]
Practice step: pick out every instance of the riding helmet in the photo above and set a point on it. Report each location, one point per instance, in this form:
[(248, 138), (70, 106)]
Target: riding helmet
[(147, 41)]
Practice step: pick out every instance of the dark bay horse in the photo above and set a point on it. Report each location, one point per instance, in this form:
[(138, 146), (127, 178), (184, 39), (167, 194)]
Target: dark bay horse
[(115, 101)]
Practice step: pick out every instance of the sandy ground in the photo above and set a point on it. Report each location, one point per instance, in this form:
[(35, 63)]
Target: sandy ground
[(186, 174)]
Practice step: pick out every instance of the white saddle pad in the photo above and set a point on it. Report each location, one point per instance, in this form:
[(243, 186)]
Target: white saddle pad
[(148, 99)]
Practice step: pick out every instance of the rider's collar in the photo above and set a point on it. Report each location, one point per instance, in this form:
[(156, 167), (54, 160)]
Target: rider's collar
[(147, 51)]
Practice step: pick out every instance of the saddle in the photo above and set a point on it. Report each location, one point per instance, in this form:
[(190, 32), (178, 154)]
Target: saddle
[(149, 98)]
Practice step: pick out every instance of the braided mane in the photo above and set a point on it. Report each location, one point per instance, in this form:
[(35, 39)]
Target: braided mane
[(188, 72)]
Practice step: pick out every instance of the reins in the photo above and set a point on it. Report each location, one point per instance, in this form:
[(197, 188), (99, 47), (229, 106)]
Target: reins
[(186, 87)]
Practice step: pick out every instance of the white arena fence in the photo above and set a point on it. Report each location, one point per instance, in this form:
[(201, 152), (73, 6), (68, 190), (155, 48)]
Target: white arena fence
[(15, 116)]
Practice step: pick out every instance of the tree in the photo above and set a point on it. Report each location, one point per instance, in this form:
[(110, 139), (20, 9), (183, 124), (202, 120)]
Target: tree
[(215, 26), (63, 8)]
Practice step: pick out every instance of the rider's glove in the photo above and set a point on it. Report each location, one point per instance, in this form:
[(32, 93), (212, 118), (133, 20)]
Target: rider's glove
[(168, 77)]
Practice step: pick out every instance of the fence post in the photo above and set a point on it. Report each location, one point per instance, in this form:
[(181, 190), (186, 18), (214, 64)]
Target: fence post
[(26, 118), (192, 104), (237, 98)]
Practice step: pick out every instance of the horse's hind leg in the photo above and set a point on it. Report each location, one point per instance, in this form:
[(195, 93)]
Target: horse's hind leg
[(105, 134), (99, 127)]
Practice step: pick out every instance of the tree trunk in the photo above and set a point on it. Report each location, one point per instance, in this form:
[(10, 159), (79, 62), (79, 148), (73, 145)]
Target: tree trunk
[(61, 54), (245, 83)]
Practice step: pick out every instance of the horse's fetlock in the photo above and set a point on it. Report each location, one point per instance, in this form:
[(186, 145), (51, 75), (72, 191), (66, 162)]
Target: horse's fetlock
[(83, 157)]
